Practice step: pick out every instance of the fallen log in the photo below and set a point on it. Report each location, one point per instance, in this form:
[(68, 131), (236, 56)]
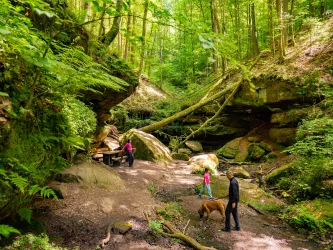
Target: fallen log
[(255, 209), (175, 233)]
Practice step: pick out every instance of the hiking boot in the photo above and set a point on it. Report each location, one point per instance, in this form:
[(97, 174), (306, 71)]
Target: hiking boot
[(236, 229), (225, 230), (211, 199), (200, 196)]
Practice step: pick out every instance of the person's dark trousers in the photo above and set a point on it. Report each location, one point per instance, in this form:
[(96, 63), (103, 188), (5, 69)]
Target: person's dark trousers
[(234, 212), (130, 158)]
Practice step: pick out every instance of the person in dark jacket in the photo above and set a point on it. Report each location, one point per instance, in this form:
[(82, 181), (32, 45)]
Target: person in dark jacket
[(232, 203)]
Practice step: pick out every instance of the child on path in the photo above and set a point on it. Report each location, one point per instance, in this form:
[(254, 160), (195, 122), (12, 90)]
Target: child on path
[(206, 183)]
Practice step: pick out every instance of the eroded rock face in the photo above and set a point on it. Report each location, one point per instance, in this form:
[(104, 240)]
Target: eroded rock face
[(148, 147), (200, 162)]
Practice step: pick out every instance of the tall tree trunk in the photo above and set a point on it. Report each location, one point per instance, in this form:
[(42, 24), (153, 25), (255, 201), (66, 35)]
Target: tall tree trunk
[(133, 35), (322, 8), (216, 28), (101, 31), (249, 32), (238, 30), (120, 44), (280, 22), (254, 32), (271, 27), (223, 31), (87, 8), (292, 22), (128, 32), (144, 30), (112, 33), (311, 8), (285, 24)]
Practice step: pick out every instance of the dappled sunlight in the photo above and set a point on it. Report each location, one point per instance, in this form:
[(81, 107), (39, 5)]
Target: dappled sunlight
[(248, 240), (106, 205)]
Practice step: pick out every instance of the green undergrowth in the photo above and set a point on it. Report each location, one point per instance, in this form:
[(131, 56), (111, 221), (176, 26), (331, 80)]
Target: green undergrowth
[(33, 242), (315, 215)]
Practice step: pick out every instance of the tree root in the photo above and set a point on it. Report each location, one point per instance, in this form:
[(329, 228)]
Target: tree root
[(108, 236), (177, 234), (255, 209)]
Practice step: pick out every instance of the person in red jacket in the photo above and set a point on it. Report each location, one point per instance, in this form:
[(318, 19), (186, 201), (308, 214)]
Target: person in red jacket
[(129, 152)]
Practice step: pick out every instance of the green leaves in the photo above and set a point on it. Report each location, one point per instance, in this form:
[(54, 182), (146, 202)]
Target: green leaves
[(25, 213), (6, 230), (18, 181), (48, 13)]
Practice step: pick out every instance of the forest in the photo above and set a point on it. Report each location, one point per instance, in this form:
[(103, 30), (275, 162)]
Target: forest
[(222, 84)]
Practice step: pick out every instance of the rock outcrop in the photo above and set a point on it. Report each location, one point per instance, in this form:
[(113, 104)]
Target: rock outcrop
[(200, 162), (148, 147)]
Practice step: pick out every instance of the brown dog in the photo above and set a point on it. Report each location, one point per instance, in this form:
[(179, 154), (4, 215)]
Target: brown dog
[(210, 206)]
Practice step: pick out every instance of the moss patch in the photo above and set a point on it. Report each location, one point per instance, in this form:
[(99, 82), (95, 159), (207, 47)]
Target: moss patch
[(277, 174), (230, 150)]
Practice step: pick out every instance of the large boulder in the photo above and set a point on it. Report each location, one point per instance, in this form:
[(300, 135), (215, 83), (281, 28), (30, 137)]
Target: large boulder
[(230, 150), (95, 174), (111, 143), (284, 171), (180, 156), (195, 146), (148, 147), (185, 151), (256, 152), (284, 136), (200, 162), (240, 172)]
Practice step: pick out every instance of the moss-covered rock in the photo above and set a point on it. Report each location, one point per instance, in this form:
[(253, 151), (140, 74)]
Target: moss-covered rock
[(256, 152), (265, 146), (291, 117), (185, 151), (284, 171), (195, 146), (284, 136), (122, 227), (254, 139), (96, 174), (269, 157), (147, 146), (180, 156), (200, 162), (249, 193), (230, 150), (240, 172)]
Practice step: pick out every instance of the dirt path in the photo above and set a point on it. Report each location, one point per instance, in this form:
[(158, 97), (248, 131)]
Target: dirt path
[(83, 216)]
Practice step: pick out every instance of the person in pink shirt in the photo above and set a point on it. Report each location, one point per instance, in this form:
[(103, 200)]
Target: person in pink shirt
[(206, 183), (129, 152)]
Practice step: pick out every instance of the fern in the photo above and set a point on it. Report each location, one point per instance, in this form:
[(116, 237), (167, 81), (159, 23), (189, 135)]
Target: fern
[(6, 230), (18, 181), (25, 213), (34, 189), (46, 192)]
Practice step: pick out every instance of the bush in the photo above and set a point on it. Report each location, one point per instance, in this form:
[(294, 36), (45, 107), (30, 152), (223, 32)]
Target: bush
[(315, 215), (33, 242)]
